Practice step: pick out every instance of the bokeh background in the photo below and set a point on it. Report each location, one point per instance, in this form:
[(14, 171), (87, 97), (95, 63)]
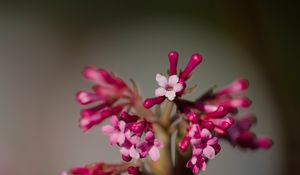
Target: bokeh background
[(44, 46)]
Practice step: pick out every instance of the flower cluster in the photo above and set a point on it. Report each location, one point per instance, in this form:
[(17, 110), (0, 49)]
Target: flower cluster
[(210, 117), (134, 136), (134, 128)]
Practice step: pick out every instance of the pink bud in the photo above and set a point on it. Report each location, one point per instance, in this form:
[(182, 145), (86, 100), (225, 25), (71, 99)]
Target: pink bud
[(220, 112), (126, 158), (192, 64), (134, 170), (235, 87), (208, 125), (264, 142), (184, 143), (149, 102), (92, 74), (243, 102), (128, 118), (138, 127), (223, 123), (173, 60), (85, 98), (192, 117)]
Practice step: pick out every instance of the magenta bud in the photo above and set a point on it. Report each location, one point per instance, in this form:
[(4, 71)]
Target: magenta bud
[(235, 87), (149, 102), (85, 98), (128, 118), (173, 61), (245, 122), (149, 137), (134, 170), (242, 102), (184, 143), (192, 117), (92, 74), (208, 125), (264, 142), (194, 61), (126, 158), (138, 127), (220, 112)]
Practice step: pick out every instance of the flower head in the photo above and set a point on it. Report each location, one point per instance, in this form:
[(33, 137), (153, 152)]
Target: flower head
[(135, 130), (168, 87)]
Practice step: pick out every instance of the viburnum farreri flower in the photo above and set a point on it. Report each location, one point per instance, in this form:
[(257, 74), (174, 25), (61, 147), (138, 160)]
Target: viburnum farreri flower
[(143, 136)]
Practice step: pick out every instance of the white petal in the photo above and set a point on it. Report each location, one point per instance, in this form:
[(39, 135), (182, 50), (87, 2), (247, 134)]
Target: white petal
[(124, 151), (161, 80), (205, 133), (154, 153), (133, 153), (160, 92), (170, 95), (122, 125), (173, 80), (194, 160), (178, 87), (209, 152)]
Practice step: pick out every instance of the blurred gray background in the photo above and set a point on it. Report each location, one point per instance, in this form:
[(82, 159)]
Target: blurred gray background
[(43, 48)]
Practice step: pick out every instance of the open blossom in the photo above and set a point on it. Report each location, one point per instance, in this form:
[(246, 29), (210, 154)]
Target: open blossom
[(168, 87), (174, 85)]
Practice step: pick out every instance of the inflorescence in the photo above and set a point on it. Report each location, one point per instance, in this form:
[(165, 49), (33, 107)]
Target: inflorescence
[(135, 129)]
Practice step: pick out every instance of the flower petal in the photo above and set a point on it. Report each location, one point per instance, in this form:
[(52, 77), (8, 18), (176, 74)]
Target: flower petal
[(121, 138), (154, 153), (122, 125), (170, 95), (114, 121), (133, 153), (161, 80), (160, 92), (173, 80), (108, 129), (124, 151), (114, 138), (209, 152), (212, 141), (177, 87), (205, 133)]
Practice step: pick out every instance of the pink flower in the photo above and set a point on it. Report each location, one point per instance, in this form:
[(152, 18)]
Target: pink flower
[(168, 87), (174, 85), (116, 131)]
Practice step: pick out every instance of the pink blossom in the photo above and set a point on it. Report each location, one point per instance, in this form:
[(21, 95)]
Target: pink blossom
[(168, 87), (116, 131)]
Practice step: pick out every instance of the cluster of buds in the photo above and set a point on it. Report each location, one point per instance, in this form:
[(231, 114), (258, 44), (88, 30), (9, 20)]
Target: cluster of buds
[(108, 91), (134, 128)]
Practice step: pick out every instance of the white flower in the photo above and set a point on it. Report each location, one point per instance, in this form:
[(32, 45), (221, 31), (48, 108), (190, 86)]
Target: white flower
[(168, 87)]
